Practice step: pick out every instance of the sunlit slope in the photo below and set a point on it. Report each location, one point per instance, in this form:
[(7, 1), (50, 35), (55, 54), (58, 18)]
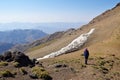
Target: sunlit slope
[(104, 40)]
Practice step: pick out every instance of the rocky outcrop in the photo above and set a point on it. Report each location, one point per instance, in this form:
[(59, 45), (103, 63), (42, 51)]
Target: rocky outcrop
[(16, 56)]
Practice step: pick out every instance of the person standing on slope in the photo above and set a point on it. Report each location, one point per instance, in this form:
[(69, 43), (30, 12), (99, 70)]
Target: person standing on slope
[(86, 55)]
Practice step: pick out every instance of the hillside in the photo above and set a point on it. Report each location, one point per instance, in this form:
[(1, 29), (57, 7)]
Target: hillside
[(105, 25), (48, 38), (103, 45)]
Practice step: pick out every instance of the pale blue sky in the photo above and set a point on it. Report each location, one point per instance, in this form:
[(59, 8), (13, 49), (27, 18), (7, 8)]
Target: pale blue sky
[(52, 10)]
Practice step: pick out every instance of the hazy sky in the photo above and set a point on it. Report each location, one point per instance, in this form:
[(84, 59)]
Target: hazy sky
[(52, 10)]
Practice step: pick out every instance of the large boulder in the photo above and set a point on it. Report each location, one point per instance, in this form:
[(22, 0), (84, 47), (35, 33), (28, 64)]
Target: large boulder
[(22, 59), (17, 56)]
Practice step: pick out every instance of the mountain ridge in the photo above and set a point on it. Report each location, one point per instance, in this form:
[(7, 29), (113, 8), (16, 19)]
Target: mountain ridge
[(19, 36)]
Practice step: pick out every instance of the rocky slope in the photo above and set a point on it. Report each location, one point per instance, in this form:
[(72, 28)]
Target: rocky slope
[(16, 65), (103, 45)]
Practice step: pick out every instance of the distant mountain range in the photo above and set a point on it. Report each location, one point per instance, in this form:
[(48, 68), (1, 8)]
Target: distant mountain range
[(13, 37), (46, 27)]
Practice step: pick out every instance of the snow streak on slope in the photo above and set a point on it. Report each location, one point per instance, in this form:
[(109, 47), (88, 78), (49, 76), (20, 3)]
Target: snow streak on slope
[(76, 44)]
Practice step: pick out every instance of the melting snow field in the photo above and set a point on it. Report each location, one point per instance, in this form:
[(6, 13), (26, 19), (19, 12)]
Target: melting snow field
[(76, 44)]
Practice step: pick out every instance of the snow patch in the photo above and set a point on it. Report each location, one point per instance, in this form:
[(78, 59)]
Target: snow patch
[(76, 44)]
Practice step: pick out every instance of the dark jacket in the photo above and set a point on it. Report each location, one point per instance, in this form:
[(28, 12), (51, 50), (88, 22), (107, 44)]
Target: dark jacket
[(86, 53)]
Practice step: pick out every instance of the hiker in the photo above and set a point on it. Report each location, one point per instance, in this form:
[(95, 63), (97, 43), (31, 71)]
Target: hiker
[(86, 55)]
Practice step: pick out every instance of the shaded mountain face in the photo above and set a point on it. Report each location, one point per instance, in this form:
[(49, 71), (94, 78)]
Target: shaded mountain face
[(5, 47), (21, 36), (13, 37)]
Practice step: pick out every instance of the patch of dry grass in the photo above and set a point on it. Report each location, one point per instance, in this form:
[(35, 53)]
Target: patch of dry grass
[(3, 63), (6, 73), (41, 73)]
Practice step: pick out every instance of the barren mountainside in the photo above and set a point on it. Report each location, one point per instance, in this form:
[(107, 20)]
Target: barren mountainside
[(105, 25), (103, 45)]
